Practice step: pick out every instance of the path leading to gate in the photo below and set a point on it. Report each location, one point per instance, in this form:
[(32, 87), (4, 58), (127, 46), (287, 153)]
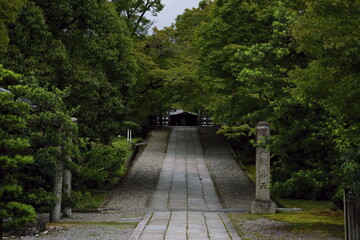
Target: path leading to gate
[(185, 204)]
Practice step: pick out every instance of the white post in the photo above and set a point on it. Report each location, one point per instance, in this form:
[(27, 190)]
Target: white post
[(128, 136)]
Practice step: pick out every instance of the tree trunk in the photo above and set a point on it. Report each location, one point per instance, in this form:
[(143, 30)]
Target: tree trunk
[(67, 187), (57, 191), (67, 212)]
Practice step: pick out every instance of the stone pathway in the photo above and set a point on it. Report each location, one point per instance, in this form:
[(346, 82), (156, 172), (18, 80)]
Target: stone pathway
[(185, 204)]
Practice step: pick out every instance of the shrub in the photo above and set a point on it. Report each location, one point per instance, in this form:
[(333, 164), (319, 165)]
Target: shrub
[(83, 200), (303, 184), (239, 138), (40, 199), (134, 127), (98, 165)]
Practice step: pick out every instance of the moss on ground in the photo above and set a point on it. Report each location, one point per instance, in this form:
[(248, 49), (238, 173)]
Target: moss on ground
[(94, 201), (307, 205), (317, 217)]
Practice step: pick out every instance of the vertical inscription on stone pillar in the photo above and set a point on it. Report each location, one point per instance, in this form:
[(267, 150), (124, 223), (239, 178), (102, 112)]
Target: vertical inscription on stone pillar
[(262, 203), (262, 173)]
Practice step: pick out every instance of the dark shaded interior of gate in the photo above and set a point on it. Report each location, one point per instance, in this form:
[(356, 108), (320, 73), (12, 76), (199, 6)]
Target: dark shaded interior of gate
[(184, 119)]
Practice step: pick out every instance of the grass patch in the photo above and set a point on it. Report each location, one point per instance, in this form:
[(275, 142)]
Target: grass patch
[(308, 205), (122, 141), (91, 200), (247, 163), (310, 217), (97, 199), (251, 171)]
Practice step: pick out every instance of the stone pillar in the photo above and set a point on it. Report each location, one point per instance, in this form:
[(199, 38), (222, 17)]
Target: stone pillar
[(262, 203)]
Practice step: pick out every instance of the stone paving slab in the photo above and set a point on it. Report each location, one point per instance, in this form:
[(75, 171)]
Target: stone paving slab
[(174, 225), (184, 195)]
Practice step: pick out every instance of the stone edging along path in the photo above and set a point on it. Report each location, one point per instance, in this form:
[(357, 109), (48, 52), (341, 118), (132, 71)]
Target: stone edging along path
[(133, 193)]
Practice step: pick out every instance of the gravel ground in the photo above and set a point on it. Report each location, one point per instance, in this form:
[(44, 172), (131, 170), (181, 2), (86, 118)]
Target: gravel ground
[(234, 188), (123, 216), (88, 231), (268, 229), (137, 189)]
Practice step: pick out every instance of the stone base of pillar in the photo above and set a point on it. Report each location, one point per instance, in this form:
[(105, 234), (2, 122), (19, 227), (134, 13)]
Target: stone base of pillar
[(262, 207)]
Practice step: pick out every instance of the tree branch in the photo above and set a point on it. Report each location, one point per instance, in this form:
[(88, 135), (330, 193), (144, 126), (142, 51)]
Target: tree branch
[(66, 25), (148, 5)]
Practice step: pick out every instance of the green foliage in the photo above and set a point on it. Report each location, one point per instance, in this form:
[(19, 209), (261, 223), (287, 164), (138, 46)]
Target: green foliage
[(350, 160), (169, 78), (303, 141), (302, 184), (327, 33), (135, 128), (246, 51), (49, 133), (84, 47), (39, 198), (239, 138), (8, 10), (46, 135), (134, 12), (98, 164), (236, 131), (86, 200), (255, 72), (13, 148)]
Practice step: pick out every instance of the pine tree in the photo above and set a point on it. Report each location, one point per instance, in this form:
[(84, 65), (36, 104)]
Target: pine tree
[(13, 114)]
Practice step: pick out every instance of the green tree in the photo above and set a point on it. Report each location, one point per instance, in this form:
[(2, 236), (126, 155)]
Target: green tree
[(247, 51), (8, 10), (154, 55), (327, 32), (52, 136), (84, 46), (99, 46), (13, 147), (134, 11)]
